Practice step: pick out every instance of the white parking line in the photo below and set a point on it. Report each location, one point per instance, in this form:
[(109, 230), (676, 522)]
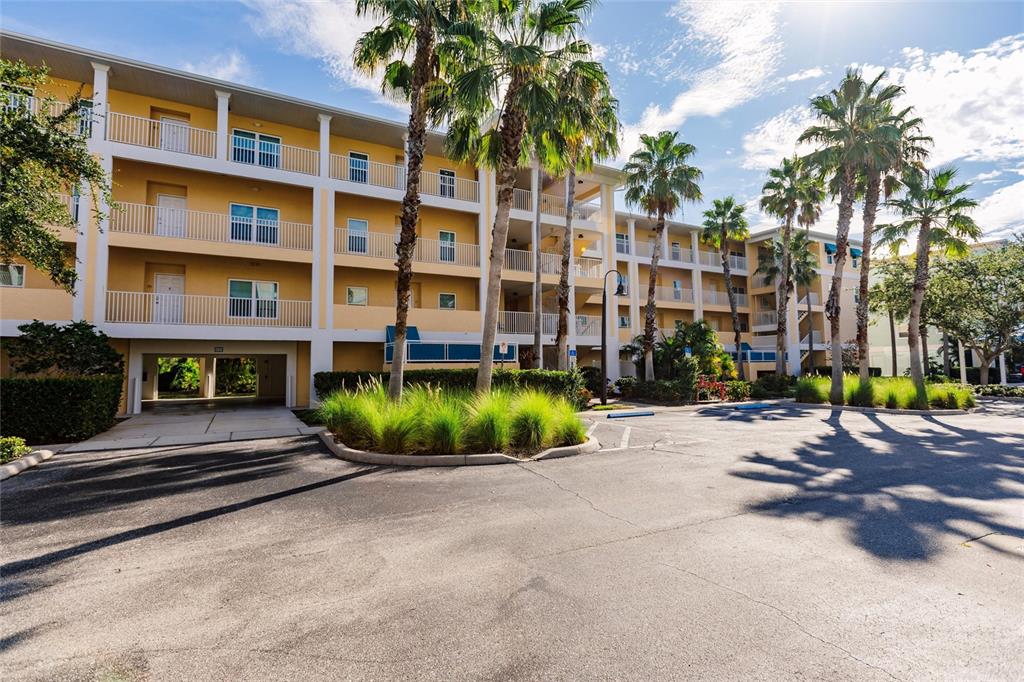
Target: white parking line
[(590, 431), (625, 437)]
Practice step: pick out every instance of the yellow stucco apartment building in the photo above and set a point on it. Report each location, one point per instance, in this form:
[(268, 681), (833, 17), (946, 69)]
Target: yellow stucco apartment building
[(251, 224)]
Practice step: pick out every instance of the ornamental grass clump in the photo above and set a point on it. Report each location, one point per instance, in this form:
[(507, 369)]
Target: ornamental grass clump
[(444, 423), (532, 421), (567, 429), (489, 424), (811, 390), (862, 393)]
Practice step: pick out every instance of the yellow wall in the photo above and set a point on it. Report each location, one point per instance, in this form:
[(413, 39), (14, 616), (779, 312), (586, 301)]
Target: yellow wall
[(379, 153), (139, 183), (151, 107), (63, 90), (290, 135), (358, 356), (381, 288), (385, 216), (134, 270)]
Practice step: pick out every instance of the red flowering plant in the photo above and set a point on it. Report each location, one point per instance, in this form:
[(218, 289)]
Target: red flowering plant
[(710, 388)]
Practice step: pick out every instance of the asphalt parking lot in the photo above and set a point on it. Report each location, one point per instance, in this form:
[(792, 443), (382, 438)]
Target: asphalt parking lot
[(715, 544)]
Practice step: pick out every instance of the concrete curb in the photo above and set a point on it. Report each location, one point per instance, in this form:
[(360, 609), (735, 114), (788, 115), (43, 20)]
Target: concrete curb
[(342, 451), (1007, 398), (882, 410), (27, 462)]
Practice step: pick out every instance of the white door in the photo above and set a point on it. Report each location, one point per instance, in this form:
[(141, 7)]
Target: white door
[(169, 301), (174, 134), (170, 215)]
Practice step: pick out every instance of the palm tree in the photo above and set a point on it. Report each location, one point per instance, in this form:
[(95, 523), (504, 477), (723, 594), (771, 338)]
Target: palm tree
[(801, 272), (936, 210), (585, 130), (508, 60), (845, 117), (791, 193), (658, 180), (725, 222), (406, 26), (893, 143)]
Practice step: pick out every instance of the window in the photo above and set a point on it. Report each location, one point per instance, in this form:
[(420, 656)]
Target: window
[(830, 259), (447, 246), (677, 251), (621, 243), (447, 183), (623, 321), (358, 167), (254, 224), (356, 296), (358, 234), (854, 262), (249, 298), (677, 290), (256, 149), (12, 275), (85, 119), (446, 301)]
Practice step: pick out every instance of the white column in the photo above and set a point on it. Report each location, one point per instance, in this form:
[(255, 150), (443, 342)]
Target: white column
[(325, 145), (223, 99), (82, 285), (100, 108), (102, 256), (133, 402), (1002, 368), (664, 243), (290, 364), (321, 359), (316, 266), (572, 305), (793, 347), (963, 361), (698, 283), (327, 258), (208, 380), (633, 273), (610, 261), (487, 207)]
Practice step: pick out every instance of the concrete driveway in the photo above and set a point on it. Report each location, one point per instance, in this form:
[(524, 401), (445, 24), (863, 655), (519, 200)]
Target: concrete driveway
[(196, 424), (701, 545)]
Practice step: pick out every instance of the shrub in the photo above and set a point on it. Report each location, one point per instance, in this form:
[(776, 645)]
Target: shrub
[(59, 409), (1000, 391), (567, 429), (759, 392), (571, 385), (737, 390), (591, 379), (75, 348), (626, 386), (489, 422), (811, 390), (12, 448), (532, 421), (710, 388), (775, 384), (862, 394), (444, 425)]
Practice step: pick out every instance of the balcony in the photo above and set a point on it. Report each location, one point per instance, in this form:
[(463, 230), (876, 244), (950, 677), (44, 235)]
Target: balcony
[(766, 318), (714, 259), (553, 205), (178, 137), (673, 294), (712, 297), (392, 176), (50, 107), (819, 339), (382, 245), (519, 322), (375, 318), (265, 154), (136, 307), (161, 221), (521, 260), (683, 254), (815, 300)]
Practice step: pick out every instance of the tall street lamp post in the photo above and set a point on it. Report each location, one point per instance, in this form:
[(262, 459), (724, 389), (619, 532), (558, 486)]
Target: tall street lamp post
[(604, 329)]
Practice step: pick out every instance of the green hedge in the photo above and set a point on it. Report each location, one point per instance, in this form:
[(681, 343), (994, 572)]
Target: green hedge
[(1000, 391), (59, 409), (571, 385), (668, 391)]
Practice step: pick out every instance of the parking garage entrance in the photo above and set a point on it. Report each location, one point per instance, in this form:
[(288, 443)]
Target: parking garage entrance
[(217, 380)]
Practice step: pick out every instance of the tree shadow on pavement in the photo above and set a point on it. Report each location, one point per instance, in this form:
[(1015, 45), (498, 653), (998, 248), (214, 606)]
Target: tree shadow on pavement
[(897, 492)]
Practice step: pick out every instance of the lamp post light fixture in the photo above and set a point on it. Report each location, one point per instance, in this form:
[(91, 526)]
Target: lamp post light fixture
[(619, 290)]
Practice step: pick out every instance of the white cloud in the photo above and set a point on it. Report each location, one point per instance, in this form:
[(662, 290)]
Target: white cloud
[(988, 177), (743, 44), (229, 65), (814, 72), (772, 140), (1001, 213), (973, 104), (327, 31), (599, 51)]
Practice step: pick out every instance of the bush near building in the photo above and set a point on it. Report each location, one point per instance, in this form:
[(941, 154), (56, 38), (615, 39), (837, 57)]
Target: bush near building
[(59, 409), (570, 385), (12, 448), (890, 392)]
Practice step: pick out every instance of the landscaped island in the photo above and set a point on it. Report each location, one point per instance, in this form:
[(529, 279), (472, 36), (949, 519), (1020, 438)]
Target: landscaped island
[(890, 392), (429, 420)]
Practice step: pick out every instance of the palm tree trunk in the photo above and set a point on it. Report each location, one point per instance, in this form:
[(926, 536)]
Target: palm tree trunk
[(892, 339), (916, 301), (782, 298), (538, 290), (724, 250), (810, 334), (925, 363), (513, 124), (410, 203), (870, 210), (651, 310), (833, 307), (562, 338)]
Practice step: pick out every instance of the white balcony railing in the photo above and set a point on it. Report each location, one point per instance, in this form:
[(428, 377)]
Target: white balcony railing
[(622, 246), (588, 267), (680, 254), (519, 322), (266, 154), (12, 101), (365, 172), (136, 307), (172, 136), (161, 221), (766, 318), (819, 339), (383, 245), (449, 187), (713, 297), (673, 294), (522, 199), (711, 258), (518, 260), (555, 205), (815, 300)]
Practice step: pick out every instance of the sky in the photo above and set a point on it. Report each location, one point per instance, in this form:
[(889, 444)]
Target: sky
[(734, 78)]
